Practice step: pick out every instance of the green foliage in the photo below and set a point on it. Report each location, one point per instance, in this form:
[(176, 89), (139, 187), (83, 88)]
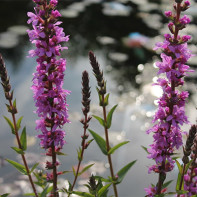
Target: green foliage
[(4, 195), (74, 173), (29, 194), (166, 184), (18, 124), (103, 190), (79, 153), (85, 169), (101, 121), (18, 150), (18, 166), (46, 191), (23, 139), (83, 194), (34, 167), (113, 149), (106, 100), (10, 124), (100, 141), (146, 149), (109, 116), (121, 173)]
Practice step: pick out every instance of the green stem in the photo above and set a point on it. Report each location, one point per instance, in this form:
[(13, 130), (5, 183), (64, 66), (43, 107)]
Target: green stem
[(81, 157), (22, 155), (182, 176), (108, 148)]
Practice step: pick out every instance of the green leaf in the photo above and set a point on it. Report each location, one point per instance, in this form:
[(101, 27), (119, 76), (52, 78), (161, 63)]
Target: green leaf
[(18, 124), (188, 165), (146, 149), (34, 167), (109, 116), (10, 124), (100, 141), (60, 153), (166, 184), (79, 154), (101, 121), (74, 171), (4, 195), (29, 194), (23, 139), (85, 169), (45, 192), (18, 150), (83, 194), (106, 100), (179, 166), (178, 182), (102, 179), (14, 103), (112, 150), (18, 166), (121, 174), (103, 190)]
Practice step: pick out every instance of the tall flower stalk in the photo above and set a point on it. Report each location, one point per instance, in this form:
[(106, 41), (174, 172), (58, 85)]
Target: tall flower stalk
[(85, 121), (171, 106), (49, 96), (5, 82), (103, 102)]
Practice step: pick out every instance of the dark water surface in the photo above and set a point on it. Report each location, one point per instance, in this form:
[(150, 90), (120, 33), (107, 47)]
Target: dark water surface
[(128, 67)]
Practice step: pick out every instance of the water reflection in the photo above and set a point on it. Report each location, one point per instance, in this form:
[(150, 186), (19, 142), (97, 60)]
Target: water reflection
[(123, 44)]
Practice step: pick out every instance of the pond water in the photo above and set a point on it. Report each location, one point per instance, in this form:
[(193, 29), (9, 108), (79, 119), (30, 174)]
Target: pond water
[(121, 34)]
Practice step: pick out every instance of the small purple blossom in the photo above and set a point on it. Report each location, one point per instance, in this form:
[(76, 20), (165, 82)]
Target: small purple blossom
[(185, 20), (49, 95), (168, 13)]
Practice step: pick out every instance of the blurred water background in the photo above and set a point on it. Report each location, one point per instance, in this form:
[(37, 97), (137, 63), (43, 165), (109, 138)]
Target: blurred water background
[(122, 34)]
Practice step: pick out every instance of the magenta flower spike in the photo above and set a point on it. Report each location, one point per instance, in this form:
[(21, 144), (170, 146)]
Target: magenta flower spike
[(49, 95), (170, 115)]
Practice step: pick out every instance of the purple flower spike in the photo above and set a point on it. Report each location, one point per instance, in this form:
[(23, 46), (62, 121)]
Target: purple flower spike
[(170, 115), (49, 96)]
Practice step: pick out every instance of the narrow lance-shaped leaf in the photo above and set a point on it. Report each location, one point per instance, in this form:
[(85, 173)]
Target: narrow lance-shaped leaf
[(109, 116), (34, 167), (101, 121), (121, 174), (83, 194), (14, 103), (103, 190), (18, 150), (79, 154), (29, 194), (106, 100), (146, 149), (112, 150), (167, 183), (10, 124), (18, 124), (178, 181), (85, 169), (74, 171), (100, 141), (18, 166), (179, 167), (23, 139)]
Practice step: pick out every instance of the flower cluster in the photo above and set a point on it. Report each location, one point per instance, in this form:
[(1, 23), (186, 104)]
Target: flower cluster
[(171, 106), (49, 96)]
